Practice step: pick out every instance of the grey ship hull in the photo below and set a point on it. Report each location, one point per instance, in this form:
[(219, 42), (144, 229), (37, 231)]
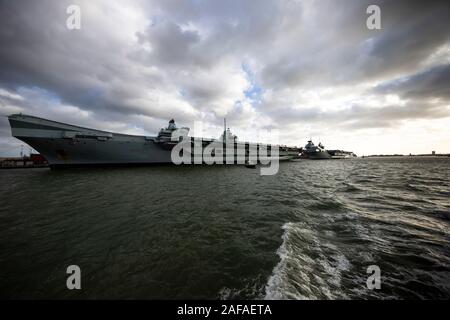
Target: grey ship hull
[(321, 155), (66, 145), (341, 154), (62, 144)]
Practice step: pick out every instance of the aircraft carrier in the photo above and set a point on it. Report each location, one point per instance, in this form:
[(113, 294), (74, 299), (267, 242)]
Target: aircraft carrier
[(65, 145), (318, 152)]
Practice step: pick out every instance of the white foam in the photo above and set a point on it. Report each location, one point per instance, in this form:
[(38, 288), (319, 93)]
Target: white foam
[(281, 285), (298, 276)]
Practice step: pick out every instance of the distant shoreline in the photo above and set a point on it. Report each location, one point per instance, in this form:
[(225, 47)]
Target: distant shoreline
[(407, 155)]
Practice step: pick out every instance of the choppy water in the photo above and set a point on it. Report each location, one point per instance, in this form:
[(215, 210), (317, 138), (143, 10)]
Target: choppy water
[(226, 232)]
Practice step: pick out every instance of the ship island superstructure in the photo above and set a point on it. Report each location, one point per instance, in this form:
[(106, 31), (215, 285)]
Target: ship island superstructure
[(70, 145)]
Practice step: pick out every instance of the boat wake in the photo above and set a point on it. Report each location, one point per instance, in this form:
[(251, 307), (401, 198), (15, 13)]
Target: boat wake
[(308, 267)]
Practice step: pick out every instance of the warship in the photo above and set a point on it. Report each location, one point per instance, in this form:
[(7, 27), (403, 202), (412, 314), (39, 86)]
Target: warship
[(318, 152), (65, 145), (311, 151)]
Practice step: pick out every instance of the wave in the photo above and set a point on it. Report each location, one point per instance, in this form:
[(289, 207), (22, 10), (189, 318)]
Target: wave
[(309, 268)]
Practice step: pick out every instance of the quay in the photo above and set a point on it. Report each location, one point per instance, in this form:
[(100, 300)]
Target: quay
[(34, 160)]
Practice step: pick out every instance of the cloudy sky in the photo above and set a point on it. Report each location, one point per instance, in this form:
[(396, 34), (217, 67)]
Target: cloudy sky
[(307, 68)]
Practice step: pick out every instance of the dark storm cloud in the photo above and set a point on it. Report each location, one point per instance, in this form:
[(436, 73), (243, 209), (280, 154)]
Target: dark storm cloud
[(433, 83), (360, 117), (87, 68), (412, 30), (363, 117), (171, 46), (340, 50)]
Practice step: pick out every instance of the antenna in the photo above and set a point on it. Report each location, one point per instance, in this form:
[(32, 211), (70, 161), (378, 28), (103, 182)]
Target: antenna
[(224, 128)]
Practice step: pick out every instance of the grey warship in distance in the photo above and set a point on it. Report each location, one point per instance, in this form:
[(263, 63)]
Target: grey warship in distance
[(69, 145), (318, 152)]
